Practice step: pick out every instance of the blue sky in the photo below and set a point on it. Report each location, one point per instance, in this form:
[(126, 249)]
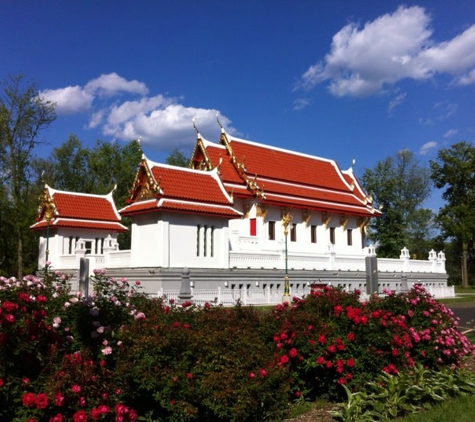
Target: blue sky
[(348, 79)]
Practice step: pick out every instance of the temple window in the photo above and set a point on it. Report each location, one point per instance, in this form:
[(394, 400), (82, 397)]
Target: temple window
[(349, 236), (205, 240), (313, 234), (212, 241), (198, 229), (293, 232), (332, 235), (271, 230)]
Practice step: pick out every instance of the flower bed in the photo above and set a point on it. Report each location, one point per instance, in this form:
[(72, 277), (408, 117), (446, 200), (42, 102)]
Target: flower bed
[(118, 355)]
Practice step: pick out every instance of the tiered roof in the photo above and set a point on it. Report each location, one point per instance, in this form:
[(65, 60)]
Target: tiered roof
[(282, 177), (164, 187), (78, 210)]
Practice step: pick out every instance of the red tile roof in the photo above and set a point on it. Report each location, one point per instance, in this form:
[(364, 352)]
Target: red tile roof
[(72, 209), (178, 189), (180, 206), (192, 185), (286, 177), (84, 224)]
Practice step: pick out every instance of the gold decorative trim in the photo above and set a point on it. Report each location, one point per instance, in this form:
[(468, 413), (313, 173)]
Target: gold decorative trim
[(362, 223), (343, 221), (286, 219), (144, 185), (262, 210), (306, 214), (325, 218), (205, 162), (47, 209), (246, 210)]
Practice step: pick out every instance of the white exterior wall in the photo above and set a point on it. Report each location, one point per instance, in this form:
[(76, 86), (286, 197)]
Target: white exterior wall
[(147, 241), (241, 239), (59, 245), (171, 240)]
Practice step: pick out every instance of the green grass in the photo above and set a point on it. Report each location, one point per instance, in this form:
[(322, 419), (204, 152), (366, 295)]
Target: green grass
[(461, 409)]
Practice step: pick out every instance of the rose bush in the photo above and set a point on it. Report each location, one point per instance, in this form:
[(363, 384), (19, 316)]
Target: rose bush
[(117, 355)]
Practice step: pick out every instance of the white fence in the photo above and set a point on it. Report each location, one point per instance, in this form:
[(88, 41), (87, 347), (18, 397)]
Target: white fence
[(229, 297), (268, 296)]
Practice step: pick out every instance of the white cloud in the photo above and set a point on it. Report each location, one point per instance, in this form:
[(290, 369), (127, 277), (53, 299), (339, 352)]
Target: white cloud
[(112, 84), (363, 61), (427, 147), (160, 121), (69, 100), (396, 101), (301, 103), (450, 133), (168, 127)]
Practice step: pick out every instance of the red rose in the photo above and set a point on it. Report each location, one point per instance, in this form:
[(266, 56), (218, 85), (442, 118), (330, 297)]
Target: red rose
[(28, 399), (284, 359), (41, 401), (80, 416)]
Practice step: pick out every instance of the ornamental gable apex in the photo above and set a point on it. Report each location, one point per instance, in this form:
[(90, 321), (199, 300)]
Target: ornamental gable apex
[(145, 186)]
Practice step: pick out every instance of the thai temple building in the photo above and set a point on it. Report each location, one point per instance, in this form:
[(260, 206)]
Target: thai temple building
[(243, 217)]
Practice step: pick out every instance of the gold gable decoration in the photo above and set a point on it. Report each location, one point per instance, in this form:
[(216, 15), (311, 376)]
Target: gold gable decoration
[(261, 210), (204, 162), (306, 214), (246, 210), (47, 208), (343, 221), (144, 186), (325, 218), (362, 223)]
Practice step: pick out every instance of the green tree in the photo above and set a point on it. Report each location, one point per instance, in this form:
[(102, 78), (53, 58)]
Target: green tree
[(399, 185), (23, 116), (177, 158), (98, 170), (454, 171)]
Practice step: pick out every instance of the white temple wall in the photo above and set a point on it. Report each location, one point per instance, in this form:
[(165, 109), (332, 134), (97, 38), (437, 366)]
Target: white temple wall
[(312, 235), (198, 241), (145, 241), (178, 240), (62, 244)]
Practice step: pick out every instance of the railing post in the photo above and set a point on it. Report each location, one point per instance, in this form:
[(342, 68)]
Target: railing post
[(84, 276), (185, 290)]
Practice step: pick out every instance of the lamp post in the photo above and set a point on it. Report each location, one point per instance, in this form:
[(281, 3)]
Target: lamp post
[(48, 208), (286, 219)]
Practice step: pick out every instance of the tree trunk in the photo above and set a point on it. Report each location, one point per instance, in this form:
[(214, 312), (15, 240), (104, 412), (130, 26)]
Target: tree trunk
[(464, 264)]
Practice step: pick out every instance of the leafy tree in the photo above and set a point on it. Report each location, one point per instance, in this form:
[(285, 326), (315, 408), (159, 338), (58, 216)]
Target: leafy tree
[(177, 158), (454, 171), (23, 115), (399, 185), (98, 170)]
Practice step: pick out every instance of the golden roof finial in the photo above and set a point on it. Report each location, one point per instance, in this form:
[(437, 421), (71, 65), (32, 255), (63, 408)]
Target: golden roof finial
[(217, 119), (196, 129)]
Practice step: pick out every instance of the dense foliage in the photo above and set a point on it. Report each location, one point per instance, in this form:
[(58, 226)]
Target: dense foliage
[(118, 355), (454, 171), (23, 117), (399, 186)]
